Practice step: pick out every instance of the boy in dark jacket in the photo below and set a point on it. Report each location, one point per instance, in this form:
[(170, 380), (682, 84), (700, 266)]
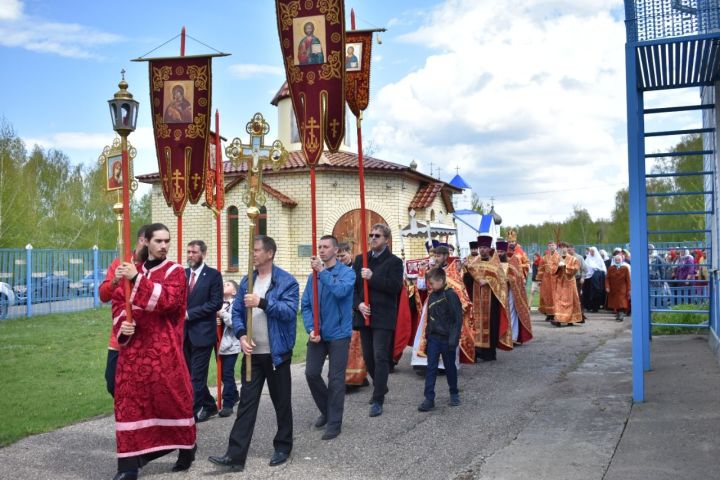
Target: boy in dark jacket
[(443, 336)]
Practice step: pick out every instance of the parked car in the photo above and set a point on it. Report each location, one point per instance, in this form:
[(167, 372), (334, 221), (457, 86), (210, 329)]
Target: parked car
[(84, 287), (7, 299), (49, 288)]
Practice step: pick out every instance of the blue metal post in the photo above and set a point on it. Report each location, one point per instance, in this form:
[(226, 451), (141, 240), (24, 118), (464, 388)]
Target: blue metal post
[(28, 279), (638, 225), (96, 276)]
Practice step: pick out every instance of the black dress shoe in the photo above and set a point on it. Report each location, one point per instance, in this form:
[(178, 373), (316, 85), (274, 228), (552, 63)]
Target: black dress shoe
[(185, 459), (226, 461), (126, 476), (226, 412), (279, 458), (321, 421), (330, 434), (204, 414)]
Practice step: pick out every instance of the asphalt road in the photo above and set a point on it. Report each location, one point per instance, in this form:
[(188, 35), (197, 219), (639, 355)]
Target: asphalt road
[(554, 408)]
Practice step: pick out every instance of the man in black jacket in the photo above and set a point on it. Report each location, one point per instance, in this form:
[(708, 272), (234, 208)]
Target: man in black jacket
[(205, 297), (377, 326)]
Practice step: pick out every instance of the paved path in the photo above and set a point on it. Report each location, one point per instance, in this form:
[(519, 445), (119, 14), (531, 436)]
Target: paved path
[(554, 408)]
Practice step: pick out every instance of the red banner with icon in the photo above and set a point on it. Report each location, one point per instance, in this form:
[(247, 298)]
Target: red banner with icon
[(358, 47), (312, 39), (181, 97)]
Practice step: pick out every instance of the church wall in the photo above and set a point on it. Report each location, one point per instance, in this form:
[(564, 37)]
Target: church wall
[(337, 193)]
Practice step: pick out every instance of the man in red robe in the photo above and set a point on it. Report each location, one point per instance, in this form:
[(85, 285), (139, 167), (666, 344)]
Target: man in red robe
[(454, 280), (545, 277), (105, 290), (153, 395), (518, 308), (490, 297)]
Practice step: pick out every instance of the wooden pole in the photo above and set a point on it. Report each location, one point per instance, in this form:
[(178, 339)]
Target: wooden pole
[(179, 217), (221, 327), (313, 220), (127, 254), (363, 215)]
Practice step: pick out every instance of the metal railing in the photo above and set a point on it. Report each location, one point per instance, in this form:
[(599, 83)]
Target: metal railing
[(658, 19), (41, 281)]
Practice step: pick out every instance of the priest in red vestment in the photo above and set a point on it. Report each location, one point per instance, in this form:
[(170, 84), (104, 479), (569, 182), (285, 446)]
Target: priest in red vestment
[(153, 394), (490, 302)]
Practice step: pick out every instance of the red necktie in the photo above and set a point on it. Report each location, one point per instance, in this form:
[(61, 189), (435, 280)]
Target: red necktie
[(192, 282)]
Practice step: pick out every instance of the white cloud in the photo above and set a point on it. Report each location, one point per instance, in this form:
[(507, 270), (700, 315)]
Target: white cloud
[(523, 99), (39, 35), (250, 70), (10, 9)]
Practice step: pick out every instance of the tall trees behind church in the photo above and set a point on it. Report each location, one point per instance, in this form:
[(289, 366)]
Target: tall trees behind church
[(48, 201), (580, 228)]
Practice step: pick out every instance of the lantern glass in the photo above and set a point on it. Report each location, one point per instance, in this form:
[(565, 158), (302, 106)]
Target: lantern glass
[(124, 114)]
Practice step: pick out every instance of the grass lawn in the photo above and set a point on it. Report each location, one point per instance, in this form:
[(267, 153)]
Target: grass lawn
[(680, 318), (52, 371)]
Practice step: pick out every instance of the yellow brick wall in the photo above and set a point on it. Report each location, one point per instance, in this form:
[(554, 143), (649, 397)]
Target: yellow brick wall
[(387, 194)]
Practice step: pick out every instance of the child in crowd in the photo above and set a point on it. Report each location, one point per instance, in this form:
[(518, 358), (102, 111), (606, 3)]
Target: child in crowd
[(229, 349), (442, 334)]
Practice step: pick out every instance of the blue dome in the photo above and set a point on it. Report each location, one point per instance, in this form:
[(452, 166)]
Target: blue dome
[(458, 182)]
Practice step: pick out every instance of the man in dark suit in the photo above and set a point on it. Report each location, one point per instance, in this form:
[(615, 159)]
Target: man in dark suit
[(205, 297), (385, 279)]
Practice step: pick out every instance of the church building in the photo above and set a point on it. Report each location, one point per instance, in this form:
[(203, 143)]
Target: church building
[(397, 195)]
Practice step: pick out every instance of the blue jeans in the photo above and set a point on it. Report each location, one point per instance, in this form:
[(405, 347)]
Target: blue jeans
[(435, 348), (230, 395)]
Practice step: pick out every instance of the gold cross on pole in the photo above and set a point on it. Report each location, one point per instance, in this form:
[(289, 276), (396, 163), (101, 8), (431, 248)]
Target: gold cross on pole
[(256, 155)]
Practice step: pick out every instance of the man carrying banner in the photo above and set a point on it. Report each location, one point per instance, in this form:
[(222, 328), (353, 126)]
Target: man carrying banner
[(335, 286), (274, 301), (153, 395), (385, 280)]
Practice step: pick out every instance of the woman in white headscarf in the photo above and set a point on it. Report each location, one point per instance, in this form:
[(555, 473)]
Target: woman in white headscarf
[(593, 292)]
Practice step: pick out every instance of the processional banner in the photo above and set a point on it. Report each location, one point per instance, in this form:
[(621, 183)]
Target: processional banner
[(214, 179), (312, 39), (358, 46), (181, 96)]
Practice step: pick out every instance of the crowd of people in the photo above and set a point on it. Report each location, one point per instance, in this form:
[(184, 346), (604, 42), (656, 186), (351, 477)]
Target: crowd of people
[(360, 318)]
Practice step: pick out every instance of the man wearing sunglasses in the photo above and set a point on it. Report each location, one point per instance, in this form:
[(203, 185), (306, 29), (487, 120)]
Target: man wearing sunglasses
[(385, 279)]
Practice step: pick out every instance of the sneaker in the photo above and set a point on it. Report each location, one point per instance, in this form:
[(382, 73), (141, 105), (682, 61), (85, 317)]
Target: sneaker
[(375, 409), (426, 406), (454, 400)]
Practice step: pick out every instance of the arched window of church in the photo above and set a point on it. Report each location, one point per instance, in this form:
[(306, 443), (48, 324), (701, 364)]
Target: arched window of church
[(432, 215), (233, 224), (261, 225)]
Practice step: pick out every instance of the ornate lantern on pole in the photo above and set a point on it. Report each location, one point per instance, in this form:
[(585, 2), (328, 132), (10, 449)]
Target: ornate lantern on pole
[(123, 113)]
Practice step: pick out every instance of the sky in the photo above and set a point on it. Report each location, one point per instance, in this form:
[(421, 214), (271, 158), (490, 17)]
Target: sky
[(525, 99)]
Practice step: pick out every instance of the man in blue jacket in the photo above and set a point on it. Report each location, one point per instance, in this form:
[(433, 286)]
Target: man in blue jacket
[(335, 286), (274, 301)]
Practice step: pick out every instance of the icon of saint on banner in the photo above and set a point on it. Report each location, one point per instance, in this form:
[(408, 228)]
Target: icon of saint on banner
[(309, 37), (178, 96)]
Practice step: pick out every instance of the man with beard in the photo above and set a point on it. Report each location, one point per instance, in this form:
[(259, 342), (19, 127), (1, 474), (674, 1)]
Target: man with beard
[(153, 395), (516, 254), (566, 301), (453, 280), (517, 296), (547, 268), (492, 329), (205, 298)]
